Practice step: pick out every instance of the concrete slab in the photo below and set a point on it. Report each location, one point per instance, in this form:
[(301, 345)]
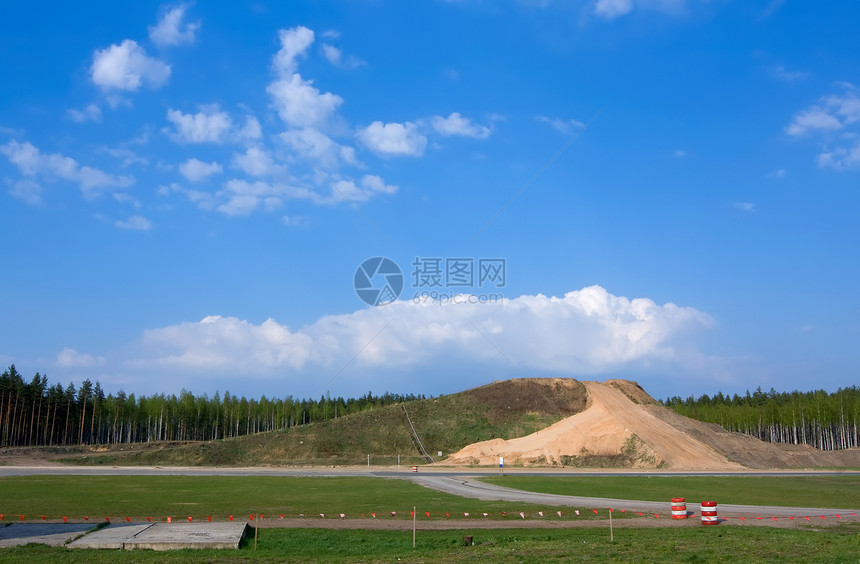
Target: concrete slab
[(170, 536), (112, 536), (51, 534)]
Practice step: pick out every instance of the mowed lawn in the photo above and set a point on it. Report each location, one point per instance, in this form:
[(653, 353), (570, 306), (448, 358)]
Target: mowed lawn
[(687, 544), (139, 497), (838, 492)]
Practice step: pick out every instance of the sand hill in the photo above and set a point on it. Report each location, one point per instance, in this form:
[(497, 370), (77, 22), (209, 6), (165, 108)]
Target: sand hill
[(623, 426)]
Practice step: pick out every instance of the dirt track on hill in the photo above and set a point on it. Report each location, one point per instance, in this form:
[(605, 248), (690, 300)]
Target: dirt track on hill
[(623, 426)]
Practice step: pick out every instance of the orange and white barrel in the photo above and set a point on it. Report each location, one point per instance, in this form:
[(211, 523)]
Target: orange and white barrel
[(679, 508), (415, 469), (709, 513)]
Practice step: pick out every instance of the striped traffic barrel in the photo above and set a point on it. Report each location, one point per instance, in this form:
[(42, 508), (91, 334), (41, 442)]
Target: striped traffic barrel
[(709, 513), (415, 469), (679, 508)]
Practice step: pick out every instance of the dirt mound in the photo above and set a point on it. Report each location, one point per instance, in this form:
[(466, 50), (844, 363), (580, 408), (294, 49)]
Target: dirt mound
[(615, 427), (623, 426)]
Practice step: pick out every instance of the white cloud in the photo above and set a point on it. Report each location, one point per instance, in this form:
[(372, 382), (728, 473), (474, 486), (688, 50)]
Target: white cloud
[(369, 186), (295, 221), (841, 158), (319, 147), (294, 43), (90, 113), (456, 124), (588, 331), (210, 125), (680, 153), (251, 130), (747, 207), (126, 67), (196, 170), (812, 119), (335, 57), (241, 197), (611, 9), (126, 157), (32, 164), (834, 122), (393, 138), (257, 162), (135, 223), (171, 29), (71, 358), (25, 189), (300, 104), (565, 126), (297, 101)]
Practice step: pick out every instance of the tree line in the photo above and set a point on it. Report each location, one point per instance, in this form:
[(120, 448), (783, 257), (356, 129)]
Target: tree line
[(35, 413), (827, 421)]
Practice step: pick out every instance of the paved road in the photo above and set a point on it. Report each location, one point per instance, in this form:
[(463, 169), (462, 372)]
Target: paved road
[(462, 483)]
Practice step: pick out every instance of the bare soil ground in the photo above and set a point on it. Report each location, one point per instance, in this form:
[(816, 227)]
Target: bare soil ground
[(626, 427)]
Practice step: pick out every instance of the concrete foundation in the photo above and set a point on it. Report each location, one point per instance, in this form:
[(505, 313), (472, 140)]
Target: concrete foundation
[(153, 536), (51, 534)]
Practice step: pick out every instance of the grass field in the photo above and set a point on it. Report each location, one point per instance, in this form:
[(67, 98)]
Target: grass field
[(837, 492), (220, 496), (705, 544), (513, 408)]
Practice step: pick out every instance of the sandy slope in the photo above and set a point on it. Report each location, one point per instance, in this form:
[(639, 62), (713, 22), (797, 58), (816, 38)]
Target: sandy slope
[(612, 425)]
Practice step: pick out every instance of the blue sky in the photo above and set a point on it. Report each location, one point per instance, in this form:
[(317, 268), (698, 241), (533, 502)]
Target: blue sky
[(188, 189)]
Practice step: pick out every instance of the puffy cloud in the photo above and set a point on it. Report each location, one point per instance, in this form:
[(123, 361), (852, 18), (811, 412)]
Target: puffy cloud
[(588, 331), (369, 186), (126, 67), (812, 119), (835, 113), (32, 163), (393, 138), (456, 124), (71, 358), (297, 101), (134, 223), (241, 197), (840, 158), (315, 145), (250, 131), (90, 113), (300, 104), (294, 42), (210, 125), (256, 162), (335, 57), (171, 30), (196, 170)]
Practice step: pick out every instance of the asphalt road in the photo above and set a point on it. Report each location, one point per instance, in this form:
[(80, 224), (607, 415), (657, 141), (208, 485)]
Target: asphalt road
[(463, 483)]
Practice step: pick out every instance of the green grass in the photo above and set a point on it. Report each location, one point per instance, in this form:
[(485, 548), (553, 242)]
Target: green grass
[(794, 491), (139, 497), (513, 408), (688, 544)]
